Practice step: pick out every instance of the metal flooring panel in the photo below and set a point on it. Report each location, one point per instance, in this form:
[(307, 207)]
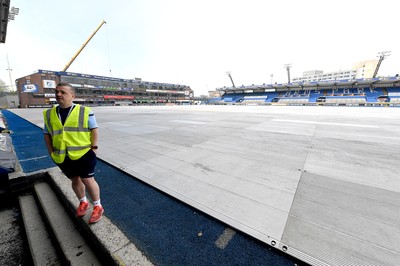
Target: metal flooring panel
[(344, 223), (256, 167)]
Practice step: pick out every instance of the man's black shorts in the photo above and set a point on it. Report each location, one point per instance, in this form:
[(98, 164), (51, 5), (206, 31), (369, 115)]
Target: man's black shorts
[(83, 167)]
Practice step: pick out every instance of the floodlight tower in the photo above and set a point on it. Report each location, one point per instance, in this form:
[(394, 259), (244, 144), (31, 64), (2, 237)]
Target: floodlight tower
[(229, 75), (6, 16), (13, 12), (272, 78), (382, 56), (288, 66)]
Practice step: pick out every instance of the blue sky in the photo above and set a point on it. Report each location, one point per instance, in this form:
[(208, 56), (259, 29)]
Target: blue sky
[(196, 42)]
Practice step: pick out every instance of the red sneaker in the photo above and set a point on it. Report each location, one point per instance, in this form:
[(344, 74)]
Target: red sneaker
[(83, 206), (96, 214)]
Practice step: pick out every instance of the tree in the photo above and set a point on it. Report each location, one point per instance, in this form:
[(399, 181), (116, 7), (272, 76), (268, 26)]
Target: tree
[(3, 86)]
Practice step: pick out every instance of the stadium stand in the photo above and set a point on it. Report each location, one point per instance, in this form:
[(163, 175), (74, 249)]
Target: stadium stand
[(254, 100), (358, 92), (37, 90), (395, 100)]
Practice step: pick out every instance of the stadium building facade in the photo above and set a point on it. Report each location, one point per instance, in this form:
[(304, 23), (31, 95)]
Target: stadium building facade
[(37, 90), (361, 70), (319, 75)]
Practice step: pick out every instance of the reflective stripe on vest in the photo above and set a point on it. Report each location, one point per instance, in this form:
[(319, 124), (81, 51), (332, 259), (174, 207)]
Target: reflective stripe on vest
[(73, 139)]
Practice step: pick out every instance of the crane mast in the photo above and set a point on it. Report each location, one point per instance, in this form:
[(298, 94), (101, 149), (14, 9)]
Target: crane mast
[(83, 46)]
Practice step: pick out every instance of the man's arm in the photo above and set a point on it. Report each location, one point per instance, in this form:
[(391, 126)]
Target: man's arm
[(94, 136), (49, 143)]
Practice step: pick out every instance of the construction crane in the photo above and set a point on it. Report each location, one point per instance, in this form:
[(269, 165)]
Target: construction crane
[(83, 46), (381, 55)]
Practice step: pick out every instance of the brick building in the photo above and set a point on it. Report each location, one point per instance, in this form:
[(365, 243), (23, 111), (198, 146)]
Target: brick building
[(37, 90)]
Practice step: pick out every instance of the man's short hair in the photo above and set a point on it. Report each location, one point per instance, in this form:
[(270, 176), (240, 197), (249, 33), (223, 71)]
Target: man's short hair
[(64, 84)]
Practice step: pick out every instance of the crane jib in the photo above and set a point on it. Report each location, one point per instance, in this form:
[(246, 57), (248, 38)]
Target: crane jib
[(83, 46)]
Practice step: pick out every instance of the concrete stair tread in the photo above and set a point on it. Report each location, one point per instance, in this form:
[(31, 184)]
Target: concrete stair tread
[(72, 244), (40, 244)]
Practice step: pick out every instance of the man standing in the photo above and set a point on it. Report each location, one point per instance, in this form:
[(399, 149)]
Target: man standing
[(71, 136)]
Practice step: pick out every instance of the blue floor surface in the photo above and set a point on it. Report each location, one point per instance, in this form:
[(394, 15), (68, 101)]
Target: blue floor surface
[(167, 231)]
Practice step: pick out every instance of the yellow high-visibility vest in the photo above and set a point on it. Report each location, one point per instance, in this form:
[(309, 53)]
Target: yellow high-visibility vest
[(72, 138)]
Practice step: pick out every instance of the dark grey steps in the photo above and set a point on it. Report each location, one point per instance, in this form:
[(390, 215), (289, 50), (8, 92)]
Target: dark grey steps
[(39, 240), (46, 218)]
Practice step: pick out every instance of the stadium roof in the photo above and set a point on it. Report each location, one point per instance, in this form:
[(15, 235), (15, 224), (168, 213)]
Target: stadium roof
[(4, 9), (355, 83)]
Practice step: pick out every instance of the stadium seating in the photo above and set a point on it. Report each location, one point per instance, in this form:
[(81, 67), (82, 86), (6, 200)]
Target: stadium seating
[(369, 92), (372, 95), (254, 99)]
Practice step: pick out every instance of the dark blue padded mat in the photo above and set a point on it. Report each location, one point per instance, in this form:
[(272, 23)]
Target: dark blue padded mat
[(28, 143)]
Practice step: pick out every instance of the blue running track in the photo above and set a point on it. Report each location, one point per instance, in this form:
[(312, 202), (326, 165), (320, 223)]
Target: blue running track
[(166, 230)]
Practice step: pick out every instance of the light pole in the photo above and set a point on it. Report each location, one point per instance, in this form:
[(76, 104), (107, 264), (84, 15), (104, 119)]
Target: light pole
[(229, 75), (288, 66), (13, 12), (382, 56)]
